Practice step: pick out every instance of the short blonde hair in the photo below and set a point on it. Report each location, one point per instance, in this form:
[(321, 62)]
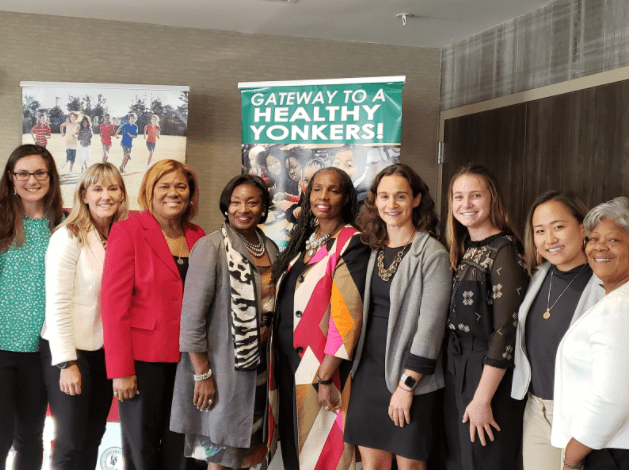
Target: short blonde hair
[(79, 222), (161, 168)]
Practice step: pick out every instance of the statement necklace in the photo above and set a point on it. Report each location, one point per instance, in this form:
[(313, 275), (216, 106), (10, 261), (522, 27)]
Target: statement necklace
[(313, 243), (256, 250), (546, 314), (386, 274)]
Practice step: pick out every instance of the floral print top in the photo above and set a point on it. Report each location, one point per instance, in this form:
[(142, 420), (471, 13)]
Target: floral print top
[(488, 287), (22, 289)]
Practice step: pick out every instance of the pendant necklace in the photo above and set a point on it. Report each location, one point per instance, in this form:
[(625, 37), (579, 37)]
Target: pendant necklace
[(179, 260), (549, 307)]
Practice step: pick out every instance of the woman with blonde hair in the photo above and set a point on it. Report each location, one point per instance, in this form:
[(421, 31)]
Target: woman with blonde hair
[(71, 346), (142, 294), (488, 286)]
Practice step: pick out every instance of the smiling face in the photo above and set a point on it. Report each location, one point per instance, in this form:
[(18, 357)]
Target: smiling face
[(31, 191), (131, 120), (395, 201), (294, 168), (327, 198), (608, 254), (171, 196), (245, 208), (103, 199), (471, 205), (345, 161), (274, 165), (558, 236)]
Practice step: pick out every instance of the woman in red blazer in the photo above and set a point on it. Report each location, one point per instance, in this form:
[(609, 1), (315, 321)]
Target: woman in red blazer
[(142, 292)]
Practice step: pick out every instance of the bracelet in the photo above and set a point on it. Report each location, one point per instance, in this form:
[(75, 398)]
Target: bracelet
[(202, 377), (323, 382), (574, 466)]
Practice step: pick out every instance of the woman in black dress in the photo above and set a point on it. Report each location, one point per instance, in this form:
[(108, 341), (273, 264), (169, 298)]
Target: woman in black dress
[(397, 367), (489, 284)]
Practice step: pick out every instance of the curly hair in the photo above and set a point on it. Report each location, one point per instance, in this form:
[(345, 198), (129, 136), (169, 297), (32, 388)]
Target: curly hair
[(11, 208), (373, 228), (307, 222)]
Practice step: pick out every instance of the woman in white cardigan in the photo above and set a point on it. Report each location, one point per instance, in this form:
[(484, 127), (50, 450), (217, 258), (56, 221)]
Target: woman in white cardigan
[(79, 392), (592, 368), (560, 291)]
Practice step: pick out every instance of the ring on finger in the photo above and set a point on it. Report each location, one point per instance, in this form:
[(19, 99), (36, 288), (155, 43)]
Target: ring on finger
[(210, 401)]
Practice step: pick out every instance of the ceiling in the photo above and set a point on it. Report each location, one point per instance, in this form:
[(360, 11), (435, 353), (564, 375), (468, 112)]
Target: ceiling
[(440, 22)]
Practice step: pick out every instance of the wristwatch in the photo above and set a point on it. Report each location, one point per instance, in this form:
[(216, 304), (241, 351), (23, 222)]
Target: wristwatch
[(65, 365), (409, 381), (320, 381)]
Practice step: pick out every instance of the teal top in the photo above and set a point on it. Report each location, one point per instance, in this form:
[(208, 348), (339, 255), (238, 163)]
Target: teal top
[(22, 289)]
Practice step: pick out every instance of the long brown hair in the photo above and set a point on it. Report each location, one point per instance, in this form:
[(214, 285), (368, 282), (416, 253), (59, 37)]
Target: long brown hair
[(570, 200), (11, 207), (456, 233), (374, 230)]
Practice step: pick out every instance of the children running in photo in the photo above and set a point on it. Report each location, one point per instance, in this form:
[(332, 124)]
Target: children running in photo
[(85, 140), (70, 130), (153, 134), (129, 132), (41, 132), (106, 132)]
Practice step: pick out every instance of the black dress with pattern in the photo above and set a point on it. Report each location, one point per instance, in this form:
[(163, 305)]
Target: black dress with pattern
[(488, 287)]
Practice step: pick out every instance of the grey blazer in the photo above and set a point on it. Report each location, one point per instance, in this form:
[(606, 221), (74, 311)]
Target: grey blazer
[(206, 327), (420, 296), (592, 293)]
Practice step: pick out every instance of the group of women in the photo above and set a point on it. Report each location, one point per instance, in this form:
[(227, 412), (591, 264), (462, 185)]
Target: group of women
[(334, 344)]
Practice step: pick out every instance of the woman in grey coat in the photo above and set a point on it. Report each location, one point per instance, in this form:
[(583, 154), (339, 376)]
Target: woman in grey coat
[(560, 291), (221, 396), (397, 366)]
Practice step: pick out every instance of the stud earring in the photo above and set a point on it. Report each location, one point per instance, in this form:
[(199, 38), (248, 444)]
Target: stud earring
[(14, 191), (585, 242), (225, 213)]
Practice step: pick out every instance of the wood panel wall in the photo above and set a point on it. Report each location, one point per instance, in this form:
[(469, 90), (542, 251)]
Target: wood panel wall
[(577, 141)]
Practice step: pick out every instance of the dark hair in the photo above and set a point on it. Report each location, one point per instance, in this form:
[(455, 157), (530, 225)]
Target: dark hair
[(456, 233), (306, 222), (301, 154), (251, 180), (374, 230), (161, 168), (359, 154), (11, 207), (570, 200)]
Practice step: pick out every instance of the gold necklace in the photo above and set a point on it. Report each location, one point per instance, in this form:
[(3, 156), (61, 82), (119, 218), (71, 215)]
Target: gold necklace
[(386, 274), (549, 307), (181, 242)]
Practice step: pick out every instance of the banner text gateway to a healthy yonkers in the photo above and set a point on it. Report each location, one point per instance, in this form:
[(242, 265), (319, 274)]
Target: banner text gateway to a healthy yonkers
[(292, 129)]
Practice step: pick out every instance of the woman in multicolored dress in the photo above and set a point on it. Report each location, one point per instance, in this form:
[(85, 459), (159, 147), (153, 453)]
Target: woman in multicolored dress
[(30, 207), (483, 423), (221, 399), (321, 278)]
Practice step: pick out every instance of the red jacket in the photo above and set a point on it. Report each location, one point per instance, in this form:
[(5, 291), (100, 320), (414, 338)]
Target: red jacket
[(141, 295)]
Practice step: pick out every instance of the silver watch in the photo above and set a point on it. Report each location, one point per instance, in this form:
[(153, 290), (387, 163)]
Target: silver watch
[(409, 381)]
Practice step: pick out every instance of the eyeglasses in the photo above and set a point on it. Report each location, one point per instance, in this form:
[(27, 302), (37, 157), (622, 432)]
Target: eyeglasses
[(40, 175)]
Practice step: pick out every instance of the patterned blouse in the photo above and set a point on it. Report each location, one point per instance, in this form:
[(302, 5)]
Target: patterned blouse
[(22, 289), (488, 287)]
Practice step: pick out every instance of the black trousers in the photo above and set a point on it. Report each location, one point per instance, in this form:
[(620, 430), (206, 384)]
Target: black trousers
[(462, 376), (147, 441), (22, 409), (608, 459), (80, 419)]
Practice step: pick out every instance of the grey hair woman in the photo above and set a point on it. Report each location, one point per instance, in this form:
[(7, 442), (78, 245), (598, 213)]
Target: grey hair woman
[(592, 368)]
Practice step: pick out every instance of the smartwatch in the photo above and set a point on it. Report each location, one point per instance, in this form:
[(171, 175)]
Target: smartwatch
[(65, 365), (409, 381)]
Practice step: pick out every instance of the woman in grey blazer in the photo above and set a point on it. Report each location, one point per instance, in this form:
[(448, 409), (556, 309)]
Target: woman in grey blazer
[(221, 398), (560, 291), (397, 367)]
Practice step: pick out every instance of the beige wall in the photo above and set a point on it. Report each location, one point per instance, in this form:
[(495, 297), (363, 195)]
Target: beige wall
[(52, 48)]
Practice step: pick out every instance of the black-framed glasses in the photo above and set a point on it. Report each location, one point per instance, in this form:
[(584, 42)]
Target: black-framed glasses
[(40, 175)]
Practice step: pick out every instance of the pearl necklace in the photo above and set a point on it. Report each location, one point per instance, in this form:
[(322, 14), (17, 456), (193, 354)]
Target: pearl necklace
[(256, 250)]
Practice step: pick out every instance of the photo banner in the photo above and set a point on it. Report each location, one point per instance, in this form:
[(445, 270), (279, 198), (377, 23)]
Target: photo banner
[(292, 129), (130, 126)]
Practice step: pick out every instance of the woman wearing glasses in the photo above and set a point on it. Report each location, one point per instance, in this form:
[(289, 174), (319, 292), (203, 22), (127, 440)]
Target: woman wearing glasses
[(30, 207)]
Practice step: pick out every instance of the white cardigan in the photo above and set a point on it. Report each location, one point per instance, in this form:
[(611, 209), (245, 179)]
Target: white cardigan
[(73, 281), (592, 293), (592, 377)]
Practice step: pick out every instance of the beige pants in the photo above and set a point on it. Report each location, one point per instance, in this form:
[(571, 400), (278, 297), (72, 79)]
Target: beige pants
[(538, 453)]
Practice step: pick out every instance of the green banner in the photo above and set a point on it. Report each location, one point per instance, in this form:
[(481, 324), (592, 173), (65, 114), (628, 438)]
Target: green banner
[(326, 113)]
